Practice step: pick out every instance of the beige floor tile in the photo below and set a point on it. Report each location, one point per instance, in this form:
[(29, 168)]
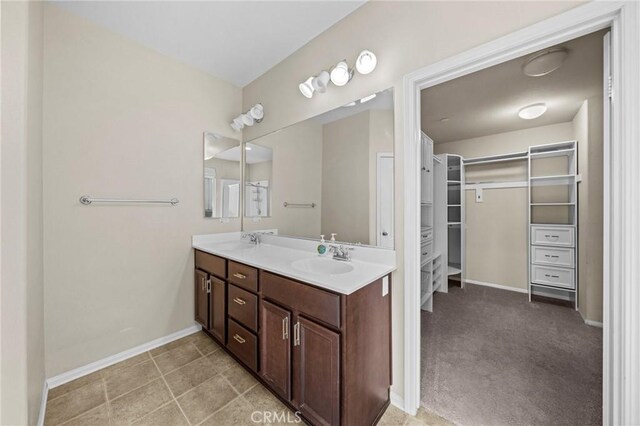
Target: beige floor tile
[(99, 416), (139, 402), (221, 360), (190, 376), (239, 378), (204, 343), (176, 358), (74, 403), (205, 399), (73, 385), (172, 345), (263, 400), (169, 415), (127, 379), (238, 412), (393, 417), (106, 372)]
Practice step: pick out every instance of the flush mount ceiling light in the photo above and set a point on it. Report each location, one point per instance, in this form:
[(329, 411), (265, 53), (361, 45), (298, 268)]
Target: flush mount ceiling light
[(545, 62), (340, 74), (532, 111), (366, 62), (249, 118)]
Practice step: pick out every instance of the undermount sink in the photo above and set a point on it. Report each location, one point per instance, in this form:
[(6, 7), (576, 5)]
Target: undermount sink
[(322, 266), (235, 245)]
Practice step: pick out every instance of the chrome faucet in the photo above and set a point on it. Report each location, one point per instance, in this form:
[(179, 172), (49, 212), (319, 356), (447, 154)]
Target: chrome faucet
[(341, 252), (254, 237)]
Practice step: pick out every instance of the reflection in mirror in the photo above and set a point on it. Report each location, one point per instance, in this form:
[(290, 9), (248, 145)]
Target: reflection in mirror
[(221, 176), (257, 169), (329, 174)]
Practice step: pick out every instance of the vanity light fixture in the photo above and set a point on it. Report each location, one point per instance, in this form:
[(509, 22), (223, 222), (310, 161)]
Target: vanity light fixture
[(366, 62), (532, 111), (339, 75), (306, 88), (249, 118)]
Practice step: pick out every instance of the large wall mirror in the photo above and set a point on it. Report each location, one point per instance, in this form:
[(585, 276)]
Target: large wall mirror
[(332, 173), (222, 160)]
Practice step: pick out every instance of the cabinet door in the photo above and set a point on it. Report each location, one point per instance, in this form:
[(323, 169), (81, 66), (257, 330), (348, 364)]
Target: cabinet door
[(217, 311), (275, 348), (317, 372), (201, 298)]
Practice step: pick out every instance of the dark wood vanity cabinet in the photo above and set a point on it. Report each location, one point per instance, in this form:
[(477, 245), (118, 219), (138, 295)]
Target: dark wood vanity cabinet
[(201, 298), (326, 355)]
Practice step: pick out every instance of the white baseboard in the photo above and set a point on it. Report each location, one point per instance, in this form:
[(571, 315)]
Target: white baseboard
[(76, 373), (396, 400), (593, 323), (43, 403), (498, 286)]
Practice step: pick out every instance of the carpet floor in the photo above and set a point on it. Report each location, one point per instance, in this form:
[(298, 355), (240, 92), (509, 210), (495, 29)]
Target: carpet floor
[(489, 357)]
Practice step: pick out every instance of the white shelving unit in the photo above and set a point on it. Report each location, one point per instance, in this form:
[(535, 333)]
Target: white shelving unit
[(553, 220), (426, 223), (455, 222)]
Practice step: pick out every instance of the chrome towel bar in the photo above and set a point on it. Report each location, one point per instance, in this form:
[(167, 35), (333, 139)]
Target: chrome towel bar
[(311, 205), (86, 200)]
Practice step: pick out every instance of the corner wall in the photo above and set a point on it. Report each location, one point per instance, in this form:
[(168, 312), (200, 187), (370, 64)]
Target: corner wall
[(21, 215)]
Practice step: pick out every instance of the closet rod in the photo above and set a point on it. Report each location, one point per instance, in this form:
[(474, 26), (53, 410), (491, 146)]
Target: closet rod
[(497, 158)]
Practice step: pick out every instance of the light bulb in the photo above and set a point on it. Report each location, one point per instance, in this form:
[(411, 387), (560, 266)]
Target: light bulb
[(340, 74), (366, 62), (320, 82), (238, 122), (306, 88), (532, 111), (247, 119), (257, 112)]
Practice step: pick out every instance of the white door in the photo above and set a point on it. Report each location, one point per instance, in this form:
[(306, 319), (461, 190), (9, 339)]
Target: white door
[(384, 226)]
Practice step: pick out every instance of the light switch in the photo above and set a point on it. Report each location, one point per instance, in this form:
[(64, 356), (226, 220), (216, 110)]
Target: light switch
[(479, 196), (385, 286)]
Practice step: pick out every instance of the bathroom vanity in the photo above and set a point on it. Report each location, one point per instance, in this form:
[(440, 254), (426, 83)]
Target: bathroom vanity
[(315, 331)]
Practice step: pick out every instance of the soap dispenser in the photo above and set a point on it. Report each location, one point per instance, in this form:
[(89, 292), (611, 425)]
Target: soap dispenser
[(322, 247)]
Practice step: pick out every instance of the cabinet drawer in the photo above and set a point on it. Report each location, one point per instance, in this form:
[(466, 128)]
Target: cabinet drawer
[(243, 307), (553, 235), (549, 275), (212, 264), (426, 235), (426, 251), (309, 300), (557, 256), (243, 276), (243, 344)]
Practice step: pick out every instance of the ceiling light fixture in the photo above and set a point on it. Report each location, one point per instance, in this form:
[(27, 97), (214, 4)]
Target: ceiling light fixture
[(545, 62), (306, 88), (249, 118), (366, 62), (532, 111), (340, 74)]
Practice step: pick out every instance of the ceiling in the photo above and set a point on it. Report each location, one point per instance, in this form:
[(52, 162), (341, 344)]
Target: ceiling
[(236, 41), (487, 102)]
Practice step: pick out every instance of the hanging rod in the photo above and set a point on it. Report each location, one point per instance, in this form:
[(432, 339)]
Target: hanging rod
[(86, 200), (497, 158), (311, 205)]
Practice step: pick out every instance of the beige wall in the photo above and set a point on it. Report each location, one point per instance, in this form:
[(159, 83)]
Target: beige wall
[(296, 178), (345, 178), (405, 36), (21, 263), (496, 234), (121, 120)]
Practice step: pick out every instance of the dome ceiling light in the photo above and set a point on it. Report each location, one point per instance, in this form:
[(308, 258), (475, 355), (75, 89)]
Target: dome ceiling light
[(532, 111), (545, 62)]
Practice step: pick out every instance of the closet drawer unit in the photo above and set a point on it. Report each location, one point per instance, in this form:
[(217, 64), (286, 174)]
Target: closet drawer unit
[(243, 276), (556, 256), (553, 235), (243, 344), (426, 251), (426, 235), (551, 276), (242, 306)]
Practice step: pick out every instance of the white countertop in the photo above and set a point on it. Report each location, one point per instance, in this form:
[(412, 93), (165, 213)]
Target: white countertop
[(277, 254)]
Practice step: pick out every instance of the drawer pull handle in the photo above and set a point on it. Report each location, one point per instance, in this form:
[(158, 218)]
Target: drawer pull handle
[(239, 301), (425, 235), (239, 275), (285, 328), (551, 256), (549, 236), (239, 339), (296, 334), (551, 276), (425, 253)]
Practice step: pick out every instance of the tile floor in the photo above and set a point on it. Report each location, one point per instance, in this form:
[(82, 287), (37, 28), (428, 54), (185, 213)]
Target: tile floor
[(190, 381)]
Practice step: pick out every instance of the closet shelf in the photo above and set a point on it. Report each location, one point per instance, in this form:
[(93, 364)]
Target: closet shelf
[(569, 290), (556, 153), (553, 180), (552, 204), (454, 270), (453, 205)]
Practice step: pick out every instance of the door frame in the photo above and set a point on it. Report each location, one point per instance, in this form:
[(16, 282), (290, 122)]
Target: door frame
[(621, 294), (380, 156)]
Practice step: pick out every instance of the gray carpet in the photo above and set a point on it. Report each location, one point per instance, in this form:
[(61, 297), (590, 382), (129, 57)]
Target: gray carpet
[(489, 357)]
